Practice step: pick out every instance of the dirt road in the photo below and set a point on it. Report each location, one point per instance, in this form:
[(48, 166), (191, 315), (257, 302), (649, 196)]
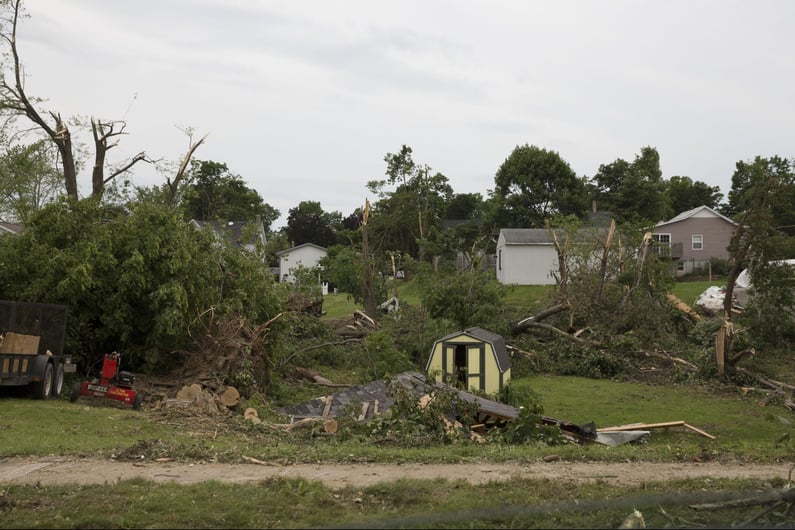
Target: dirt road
[(57, 470)]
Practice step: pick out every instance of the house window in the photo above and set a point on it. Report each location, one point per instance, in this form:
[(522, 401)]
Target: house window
[(663, 246), (698, 241), (499, 260)]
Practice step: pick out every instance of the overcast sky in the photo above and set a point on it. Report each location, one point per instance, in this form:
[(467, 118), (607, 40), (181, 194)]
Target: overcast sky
[(303, 99)]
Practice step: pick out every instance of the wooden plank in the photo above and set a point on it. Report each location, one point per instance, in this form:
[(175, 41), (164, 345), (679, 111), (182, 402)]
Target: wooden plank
[(19, 343), (642, 426), (327, 408), (699, 431), (365, 406)]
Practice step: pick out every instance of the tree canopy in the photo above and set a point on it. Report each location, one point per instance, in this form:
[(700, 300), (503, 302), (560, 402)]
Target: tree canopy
[(212, 192), (532, 185)]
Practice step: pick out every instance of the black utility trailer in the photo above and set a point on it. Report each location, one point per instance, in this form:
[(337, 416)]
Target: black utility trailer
[(32, 337)]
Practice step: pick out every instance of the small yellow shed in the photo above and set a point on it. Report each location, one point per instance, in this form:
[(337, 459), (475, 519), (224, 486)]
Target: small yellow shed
[(472, 359)]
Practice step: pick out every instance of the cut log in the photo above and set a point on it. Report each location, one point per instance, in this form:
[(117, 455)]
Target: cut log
[(189, 392), (330, 426), (229, 396)]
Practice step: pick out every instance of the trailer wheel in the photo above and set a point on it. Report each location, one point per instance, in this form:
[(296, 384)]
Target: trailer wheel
[(57, 384), (43, 387), (75, 391), (137, 400)]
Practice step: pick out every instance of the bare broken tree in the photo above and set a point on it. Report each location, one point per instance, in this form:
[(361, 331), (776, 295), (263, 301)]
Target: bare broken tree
[(15, 100)]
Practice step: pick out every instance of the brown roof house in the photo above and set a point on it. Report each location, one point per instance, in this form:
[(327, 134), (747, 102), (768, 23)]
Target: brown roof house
[(694, 237), (475, 359), (239, 234), (10, 228)]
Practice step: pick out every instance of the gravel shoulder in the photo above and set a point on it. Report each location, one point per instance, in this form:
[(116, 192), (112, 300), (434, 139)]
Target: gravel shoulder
[(64, 470)]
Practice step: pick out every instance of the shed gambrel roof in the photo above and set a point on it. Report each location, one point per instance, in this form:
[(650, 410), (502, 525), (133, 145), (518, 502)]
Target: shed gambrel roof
[(496, 341), (692, 213)]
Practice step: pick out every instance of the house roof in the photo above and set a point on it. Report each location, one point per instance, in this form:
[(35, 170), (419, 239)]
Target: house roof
[(692, 213), (231, 231), (10, 228), (542, 236), (526, 236), (304, 245), (496, 341)]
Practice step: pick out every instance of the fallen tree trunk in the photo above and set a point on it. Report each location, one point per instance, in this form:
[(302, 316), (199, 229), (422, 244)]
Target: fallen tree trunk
[(528, 322), (548, 327), (298, 372)]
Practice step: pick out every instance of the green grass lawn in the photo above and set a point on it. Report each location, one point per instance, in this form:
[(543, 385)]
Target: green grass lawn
[(341, 305)]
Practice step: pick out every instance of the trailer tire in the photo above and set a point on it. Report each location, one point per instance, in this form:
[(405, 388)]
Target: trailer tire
[(75, 391), (57, 383), (43, 387), (137, 400)]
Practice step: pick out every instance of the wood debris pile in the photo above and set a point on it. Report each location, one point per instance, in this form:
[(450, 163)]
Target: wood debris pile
[(207, 377), (198, 401)]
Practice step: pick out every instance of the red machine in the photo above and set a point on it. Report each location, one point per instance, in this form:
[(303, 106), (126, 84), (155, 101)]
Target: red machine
[(112, 384)]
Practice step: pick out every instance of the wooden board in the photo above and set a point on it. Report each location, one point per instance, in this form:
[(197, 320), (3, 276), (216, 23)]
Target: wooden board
[(19, 343)]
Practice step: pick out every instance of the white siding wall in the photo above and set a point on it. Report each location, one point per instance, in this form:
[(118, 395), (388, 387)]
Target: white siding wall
[(526, 264), (290, 261)]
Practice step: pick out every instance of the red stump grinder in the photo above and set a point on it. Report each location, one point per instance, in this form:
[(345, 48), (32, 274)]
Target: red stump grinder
[(112, 384)]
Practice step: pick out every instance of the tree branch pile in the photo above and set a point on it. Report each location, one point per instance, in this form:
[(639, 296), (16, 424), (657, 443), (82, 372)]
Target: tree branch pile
[(230, 354)]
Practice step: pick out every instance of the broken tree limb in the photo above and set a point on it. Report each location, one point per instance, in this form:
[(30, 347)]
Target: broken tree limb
[(676, 360), (739, 356), (771, 383), (548, 327), (298, 372), (315, 347), (603, 264), (681, 306), (527, 322)]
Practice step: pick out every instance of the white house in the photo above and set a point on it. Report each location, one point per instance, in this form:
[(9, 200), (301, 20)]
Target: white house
[(307, 255), (526, 256)]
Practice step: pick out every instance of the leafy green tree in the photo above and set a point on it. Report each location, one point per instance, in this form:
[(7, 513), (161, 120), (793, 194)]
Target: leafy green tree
[(472, 298), (633, 192), (212, 192), (686, 194), (134, 280), (759, 195), (776, 174), (28, 180), (406, 216), (308, 223), (344, 268), (532, 185), (465, 206)]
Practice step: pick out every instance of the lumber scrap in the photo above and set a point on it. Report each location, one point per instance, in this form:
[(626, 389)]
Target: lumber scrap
[(660, 425)]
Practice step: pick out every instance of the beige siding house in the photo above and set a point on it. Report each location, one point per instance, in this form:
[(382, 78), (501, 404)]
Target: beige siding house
[(694, 237)]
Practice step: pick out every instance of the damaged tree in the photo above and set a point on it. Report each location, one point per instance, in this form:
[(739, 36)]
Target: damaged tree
[(17, 103), (600, 287)]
